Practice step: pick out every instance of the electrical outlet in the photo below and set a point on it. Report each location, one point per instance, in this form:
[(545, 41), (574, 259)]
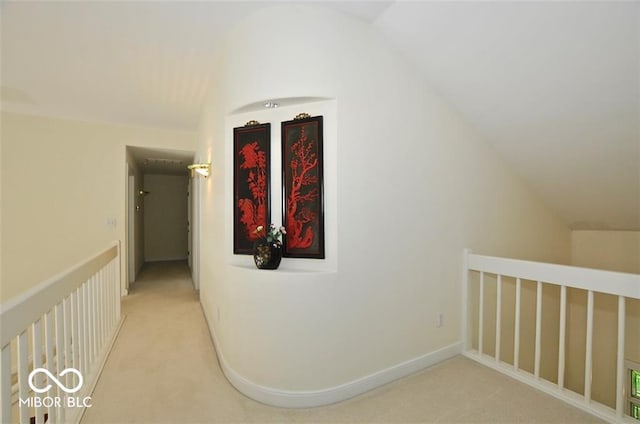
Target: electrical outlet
[(440, 320)]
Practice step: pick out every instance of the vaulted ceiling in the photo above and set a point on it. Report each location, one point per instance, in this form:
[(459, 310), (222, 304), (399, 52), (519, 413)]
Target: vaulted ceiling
[(553, 86)]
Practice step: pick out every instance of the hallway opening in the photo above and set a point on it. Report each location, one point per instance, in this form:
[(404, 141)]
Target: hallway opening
[(159, 208)]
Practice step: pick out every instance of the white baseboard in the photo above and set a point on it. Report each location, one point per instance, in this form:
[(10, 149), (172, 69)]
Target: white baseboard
[(312, 398), (167, 259)]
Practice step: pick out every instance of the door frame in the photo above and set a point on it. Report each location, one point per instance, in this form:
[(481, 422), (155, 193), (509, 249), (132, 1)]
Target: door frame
[(195, 232), (131, 231)]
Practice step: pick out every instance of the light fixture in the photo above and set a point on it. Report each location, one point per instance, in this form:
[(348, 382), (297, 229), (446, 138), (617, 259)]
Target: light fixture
[(203, 169), (271, 105)]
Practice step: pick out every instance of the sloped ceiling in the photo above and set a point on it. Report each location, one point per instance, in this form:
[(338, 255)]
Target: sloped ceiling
[(553, 86)]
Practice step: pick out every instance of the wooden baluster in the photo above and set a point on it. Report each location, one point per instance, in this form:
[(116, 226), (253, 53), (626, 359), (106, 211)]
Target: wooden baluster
[(37, 363), (67, 340), (49, 348), (620, 378), (589, 349), (23, 376), (481, 314), (538, 349), (498, 316), (5, 384), (86, 339), (59, 310), (516, 335), (75, 319), (562, 336)]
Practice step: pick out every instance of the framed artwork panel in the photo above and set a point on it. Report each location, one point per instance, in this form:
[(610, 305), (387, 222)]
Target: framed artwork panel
[(251, 188), (302, 188)]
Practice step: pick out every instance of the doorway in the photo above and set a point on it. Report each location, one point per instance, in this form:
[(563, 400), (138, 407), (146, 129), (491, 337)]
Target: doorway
[(160, 209)]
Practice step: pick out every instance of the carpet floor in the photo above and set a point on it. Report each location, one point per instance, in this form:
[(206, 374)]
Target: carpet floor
[(163, 369)]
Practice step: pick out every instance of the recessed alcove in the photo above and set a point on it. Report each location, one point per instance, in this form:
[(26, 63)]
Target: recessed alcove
[(287, 109)]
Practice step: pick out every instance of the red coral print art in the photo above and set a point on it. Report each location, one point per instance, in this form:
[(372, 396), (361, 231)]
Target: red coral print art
[(251, 184), (302, 188)]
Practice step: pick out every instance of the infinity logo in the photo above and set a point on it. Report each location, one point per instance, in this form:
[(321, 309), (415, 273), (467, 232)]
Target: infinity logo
[(55, 380)]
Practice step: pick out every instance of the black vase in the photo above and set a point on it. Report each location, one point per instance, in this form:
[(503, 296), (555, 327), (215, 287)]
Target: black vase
[(267, 255)]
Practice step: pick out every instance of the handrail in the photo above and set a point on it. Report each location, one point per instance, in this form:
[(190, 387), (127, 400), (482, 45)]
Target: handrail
[(617, 283), (623, 285), (21, 311), (64, 326)]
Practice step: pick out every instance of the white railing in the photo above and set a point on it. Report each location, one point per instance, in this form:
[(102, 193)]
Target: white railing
[(68, 321), (477, 268)]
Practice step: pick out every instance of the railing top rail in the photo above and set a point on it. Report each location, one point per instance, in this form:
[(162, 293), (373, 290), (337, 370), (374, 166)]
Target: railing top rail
[(21, 311), (609, 282)]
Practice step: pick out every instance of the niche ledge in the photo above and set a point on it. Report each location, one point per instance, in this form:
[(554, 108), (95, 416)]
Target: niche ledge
[(282, 270)]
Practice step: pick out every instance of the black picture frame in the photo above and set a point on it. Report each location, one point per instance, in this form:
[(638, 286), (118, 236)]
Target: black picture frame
[(303, 188), (251, 184)]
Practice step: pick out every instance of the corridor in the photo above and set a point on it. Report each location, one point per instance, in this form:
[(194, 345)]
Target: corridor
[(163, 369)]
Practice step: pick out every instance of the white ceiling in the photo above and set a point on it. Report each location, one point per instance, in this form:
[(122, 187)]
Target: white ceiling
[(554, 86)]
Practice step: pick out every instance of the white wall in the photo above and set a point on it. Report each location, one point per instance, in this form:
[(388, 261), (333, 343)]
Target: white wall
[(55, 210), (414, 186), (610, 250), (165, 217)]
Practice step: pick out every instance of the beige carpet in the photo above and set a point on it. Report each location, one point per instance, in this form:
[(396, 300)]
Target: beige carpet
[(163, 369)]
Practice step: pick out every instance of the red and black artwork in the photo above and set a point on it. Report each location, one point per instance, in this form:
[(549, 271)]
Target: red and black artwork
[(251, 171), (302, 196)]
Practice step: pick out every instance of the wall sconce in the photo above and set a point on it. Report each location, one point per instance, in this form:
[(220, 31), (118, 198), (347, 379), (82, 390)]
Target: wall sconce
[(203, 169)]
